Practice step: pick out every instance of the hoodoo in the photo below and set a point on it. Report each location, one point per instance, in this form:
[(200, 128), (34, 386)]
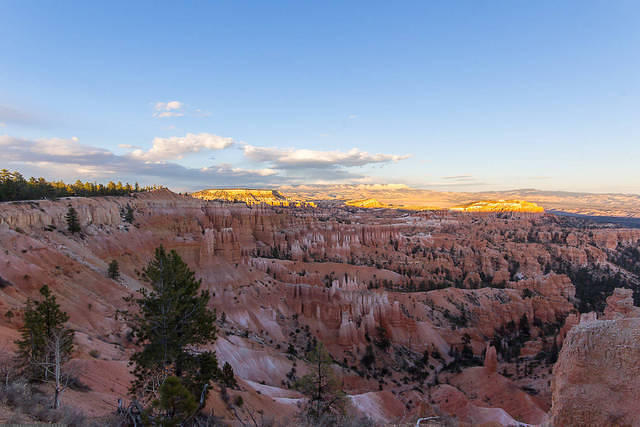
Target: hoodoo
[(403, 302)]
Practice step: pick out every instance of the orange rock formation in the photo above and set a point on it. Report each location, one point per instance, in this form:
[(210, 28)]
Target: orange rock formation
[(422, 291)]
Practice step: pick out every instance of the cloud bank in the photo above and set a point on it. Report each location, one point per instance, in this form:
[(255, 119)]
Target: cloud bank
[(176, 147), (314, 159), (70, 159)]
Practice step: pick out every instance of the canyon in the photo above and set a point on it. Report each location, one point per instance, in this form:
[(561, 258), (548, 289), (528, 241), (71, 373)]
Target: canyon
[(475, 317)]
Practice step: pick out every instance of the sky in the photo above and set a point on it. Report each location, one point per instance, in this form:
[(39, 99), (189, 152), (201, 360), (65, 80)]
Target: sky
[(445, 95)]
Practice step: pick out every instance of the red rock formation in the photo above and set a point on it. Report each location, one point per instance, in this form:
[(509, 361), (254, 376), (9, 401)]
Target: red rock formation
[(597, 376), (452, 401), (286, 276), (491, 359), (620, 305)]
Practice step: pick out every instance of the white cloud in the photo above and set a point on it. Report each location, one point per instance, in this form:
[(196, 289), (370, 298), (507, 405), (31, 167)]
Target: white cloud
[(168, 106), (459, 178), (168, 109), (165, 114), (47, 150), (66, 159), (175, 147), (303, 158), (259, 172)]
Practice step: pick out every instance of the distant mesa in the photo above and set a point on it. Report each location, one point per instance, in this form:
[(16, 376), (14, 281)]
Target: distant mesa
[(476, 206), (251, 197), (366, 203), (499, 206)]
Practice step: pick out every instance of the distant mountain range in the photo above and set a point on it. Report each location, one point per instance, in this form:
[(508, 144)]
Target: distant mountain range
[(400, 196), (403, 197)]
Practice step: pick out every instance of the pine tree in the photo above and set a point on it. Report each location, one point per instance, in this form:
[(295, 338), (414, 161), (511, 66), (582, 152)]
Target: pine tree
[(382, 339), (175, 404), (46, 343), (326, 398), (524, 326), (114, 270), (127, 214), (369, 357), (227, 377), (73, 224), (168, 322), (552, 356)]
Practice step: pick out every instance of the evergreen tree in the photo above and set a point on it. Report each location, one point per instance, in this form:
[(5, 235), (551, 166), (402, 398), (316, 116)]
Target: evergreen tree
[(524, 326), (114, 270), (369, 357), (227, 377), (128, 214), (43, 324), (174, 406), (73, 224), (169, 322), (13, 186), (326, 398), (382, 340), (552, 355)]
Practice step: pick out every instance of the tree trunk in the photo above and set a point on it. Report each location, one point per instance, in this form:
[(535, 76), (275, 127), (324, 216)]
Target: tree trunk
[(58, 371), (56, 399)]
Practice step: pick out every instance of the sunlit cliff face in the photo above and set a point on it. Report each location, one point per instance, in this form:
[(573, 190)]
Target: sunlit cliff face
[(276, 198), (251, 197), (499, 206), (623, 205), (366, 203)]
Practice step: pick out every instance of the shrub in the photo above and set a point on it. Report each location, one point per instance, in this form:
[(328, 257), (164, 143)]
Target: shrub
[(238, 401), (175, 404), (369, 358)]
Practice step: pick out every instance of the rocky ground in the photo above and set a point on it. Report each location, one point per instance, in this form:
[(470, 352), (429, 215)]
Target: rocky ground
[(424, 313)]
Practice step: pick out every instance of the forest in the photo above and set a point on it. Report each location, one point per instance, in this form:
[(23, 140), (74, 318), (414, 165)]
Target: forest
[(14, 186)]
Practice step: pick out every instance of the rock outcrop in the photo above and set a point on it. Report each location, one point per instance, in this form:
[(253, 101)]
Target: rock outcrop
[(491, 360), (251, 197), (366, 203), (499, 206), (620, 305), (597, 376)]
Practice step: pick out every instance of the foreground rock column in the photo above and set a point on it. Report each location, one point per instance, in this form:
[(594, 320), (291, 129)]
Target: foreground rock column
[(597, 377)]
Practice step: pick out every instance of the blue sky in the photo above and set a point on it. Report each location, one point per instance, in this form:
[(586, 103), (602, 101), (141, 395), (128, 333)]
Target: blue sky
[(452, 95)]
